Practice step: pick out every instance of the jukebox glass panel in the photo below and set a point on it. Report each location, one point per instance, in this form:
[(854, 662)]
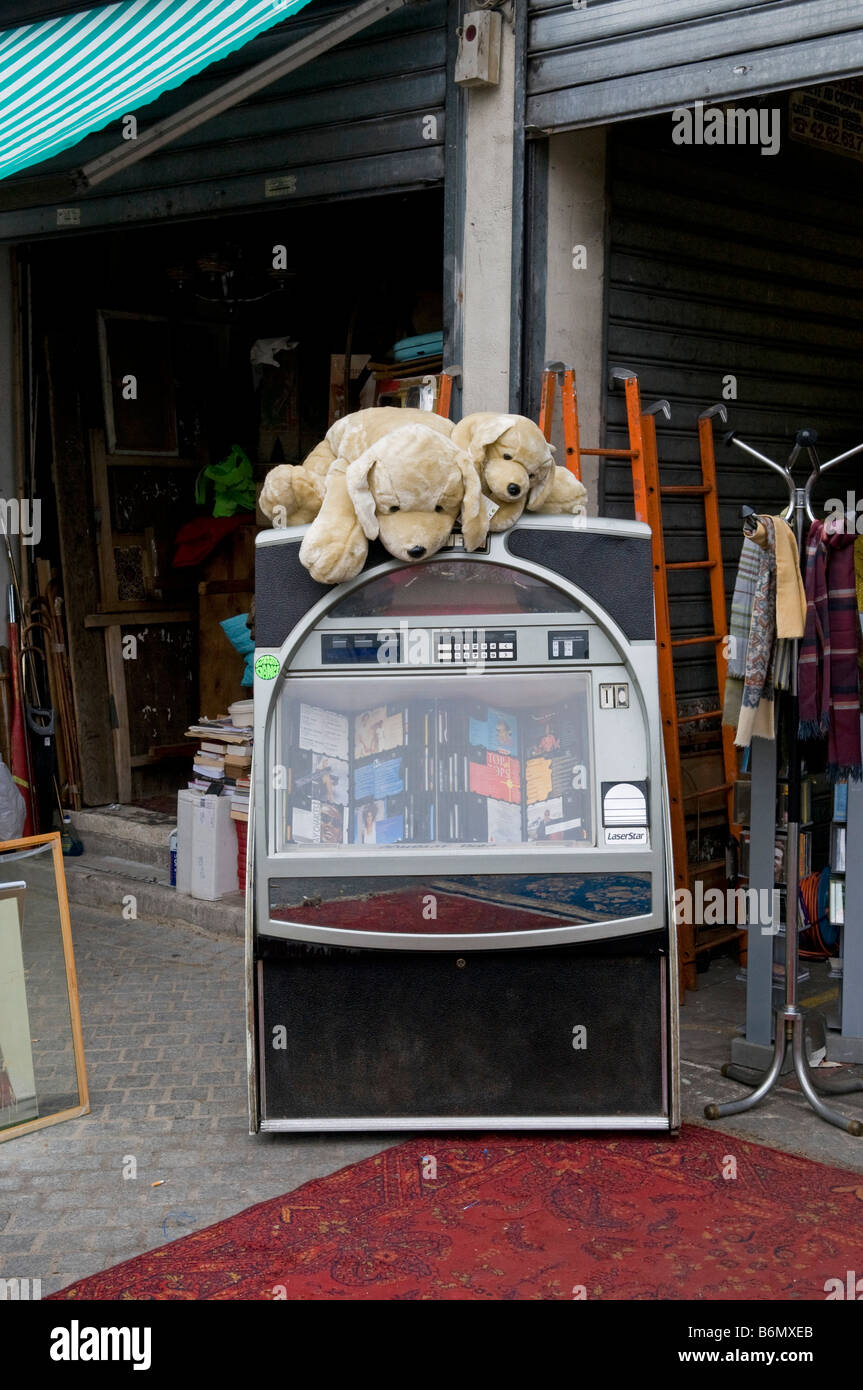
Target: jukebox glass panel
[(453, 586), (463, 904), (427, 758)]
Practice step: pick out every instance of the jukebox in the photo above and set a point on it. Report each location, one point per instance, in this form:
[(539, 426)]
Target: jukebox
[(458, 905)]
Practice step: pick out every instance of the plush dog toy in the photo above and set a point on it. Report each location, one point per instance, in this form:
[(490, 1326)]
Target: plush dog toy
[(292, 493), (407, 489), (516, 467)]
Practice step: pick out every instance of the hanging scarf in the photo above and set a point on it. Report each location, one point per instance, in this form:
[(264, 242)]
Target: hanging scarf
[(738, 630), (828, 684), (756, 710), (790, 602), (858, 571)]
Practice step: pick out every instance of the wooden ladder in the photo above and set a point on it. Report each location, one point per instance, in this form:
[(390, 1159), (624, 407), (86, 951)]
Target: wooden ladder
[(653, 491)]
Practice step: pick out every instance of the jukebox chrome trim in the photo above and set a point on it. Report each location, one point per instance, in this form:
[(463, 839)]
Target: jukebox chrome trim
[(488, 1122)]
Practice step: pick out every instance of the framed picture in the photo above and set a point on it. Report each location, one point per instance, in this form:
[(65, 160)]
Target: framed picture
[(42, 1073), (138, 386)]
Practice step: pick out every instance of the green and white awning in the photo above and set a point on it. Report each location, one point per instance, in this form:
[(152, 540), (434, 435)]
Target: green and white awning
[(65, 77)]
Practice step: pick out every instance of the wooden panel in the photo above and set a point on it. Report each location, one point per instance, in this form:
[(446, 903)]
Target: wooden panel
[(70, 475), (119, 712), (160, 683)]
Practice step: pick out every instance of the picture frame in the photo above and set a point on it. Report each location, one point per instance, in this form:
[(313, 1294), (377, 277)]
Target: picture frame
[(43, 1077), (137, 354)]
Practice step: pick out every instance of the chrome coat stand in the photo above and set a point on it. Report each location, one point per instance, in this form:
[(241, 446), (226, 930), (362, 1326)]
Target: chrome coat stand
[(789, 1037)]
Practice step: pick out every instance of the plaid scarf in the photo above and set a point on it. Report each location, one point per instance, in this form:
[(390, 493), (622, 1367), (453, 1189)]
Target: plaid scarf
[(756, 710), (739, 624), (741, 607), (828, 684)]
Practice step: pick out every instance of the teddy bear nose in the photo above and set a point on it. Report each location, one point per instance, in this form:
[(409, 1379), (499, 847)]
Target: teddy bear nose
[(416, 551), (513, 489)]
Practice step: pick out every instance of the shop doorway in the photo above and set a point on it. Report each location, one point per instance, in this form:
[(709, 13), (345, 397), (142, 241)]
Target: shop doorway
[(158, 354)]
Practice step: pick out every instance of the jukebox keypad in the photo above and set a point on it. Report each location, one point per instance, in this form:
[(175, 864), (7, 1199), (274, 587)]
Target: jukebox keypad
[(473, 644)]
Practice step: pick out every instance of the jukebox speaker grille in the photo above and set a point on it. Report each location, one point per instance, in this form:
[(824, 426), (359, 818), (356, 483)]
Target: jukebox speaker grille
[(562, 1031), (614, 570)]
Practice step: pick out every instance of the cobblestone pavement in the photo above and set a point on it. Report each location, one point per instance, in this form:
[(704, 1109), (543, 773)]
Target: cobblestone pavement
[(163, 1015)]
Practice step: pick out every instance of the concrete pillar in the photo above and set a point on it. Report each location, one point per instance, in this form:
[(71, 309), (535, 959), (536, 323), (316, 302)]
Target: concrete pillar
[(487, 261), (575, 299)]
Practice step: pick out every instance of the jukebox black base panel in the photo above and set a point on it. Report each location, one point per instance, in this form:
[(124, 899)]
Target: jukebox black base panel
[(359, 1038)]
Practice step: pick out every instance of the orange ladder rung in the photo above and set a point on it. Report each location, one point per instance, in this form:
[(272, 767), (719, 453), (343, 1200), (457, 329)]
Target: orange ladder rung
[(610, 453), (692, 565), (706, 640), (685, 490)]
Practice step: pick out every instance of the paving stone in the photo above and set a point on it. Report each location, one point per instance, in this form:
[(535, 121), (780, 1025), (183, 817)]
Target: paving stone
[(16, 1243)]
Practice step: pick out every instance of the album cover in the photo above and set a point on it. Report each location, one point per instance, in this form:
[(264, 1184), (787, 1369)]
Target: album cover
[(377, 822), (379, 729)]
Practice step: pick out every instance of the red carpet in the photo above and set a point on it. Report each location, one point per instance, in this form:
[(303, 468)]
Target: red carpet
[(526, 1218)]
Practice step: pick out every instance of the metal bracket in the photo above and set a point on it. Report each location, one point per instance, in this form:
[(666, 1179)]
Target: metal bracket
[(712, 410)]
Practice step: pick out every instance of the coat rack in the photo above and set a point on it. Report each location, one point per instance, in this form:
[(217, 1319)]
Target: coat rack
[(789, 1019)]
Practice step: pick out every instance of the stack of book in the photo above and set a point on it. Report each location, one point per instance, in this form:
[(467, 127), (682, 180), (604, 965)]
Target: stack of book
[(223, 759)]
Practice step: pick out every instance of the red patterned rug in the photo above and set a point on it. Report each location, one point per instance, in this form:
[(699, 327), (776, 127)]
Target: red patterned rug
[(703, 1216)]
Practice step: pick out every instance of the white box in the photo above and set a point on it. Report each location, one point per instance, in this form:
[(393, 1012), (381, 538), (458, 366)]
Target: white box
[(477, 63), (214, 848), (186, 802)]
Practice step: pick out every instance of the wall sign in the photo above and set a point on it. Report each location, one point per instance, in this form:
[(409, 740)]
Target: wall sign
[(830, 117)]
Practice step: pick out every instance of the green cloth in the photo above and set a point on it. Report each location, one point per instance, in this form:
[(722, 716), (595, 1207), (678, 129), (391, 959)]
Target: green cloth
[(233, 484)]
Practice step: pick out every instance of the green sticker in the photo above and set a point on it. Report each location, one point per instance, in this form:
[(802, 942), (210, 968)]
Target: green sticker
[(267, 667)]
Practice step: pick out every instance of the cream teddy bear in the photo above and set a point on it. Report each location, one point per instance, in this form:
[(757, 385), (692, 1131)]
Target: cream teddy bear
[(516, 467), (407, 488), (292, 493)]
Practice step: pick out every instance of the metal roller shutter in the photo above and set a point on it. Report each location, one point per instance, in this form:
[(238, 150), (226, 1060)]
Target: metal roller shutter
[(739, 265), (609, 60), (366, 117)]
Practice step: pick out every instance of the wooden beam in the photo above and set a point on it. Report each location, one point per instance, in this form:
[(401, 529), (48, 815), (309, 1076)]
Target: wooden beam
[(120, 720), (129, 617)]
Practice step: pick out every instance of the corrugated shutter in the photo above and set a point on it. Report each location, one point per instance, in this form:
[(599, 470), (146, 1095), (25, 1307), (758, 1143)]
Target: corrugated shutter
[(727, 262), (609, 60), (366, 117)]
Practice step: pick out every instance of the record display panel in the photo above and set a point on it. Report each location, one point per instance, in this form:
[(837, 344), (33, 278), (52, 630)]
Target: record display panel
[(435, 759)]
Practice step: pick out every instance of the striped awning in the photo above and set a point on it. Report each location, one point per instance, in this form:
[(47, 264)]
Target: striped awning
[(65, 77)]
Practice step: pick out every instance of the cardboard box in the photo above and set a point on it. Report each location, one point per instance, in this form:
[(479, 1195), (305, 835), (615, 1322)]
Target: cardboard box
[(214, 848), (186, 802), (206, 846)]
